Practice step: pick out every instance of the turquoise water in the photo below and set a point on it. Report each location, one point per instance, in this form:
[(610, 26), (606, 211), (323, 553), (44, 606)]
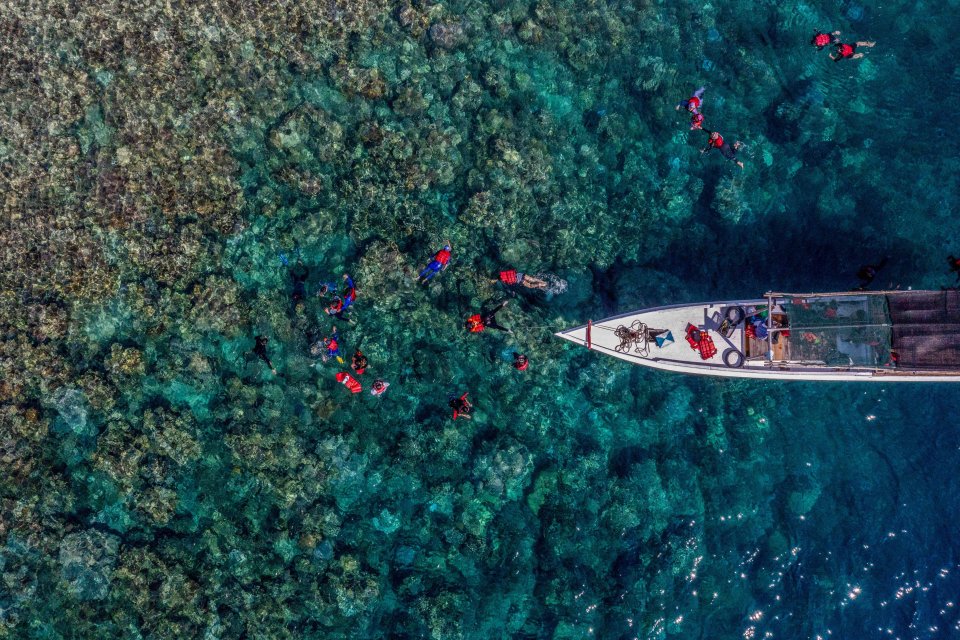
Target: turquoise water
[(160, 482)]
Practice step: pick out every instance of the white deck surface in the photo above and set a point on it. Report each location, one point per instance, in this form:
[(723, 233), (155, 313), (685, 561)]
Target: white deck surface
[(681, 358)]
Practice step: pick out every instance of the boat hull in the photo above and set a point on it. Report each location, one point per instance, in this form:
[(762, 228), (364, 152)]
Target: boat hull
[(679, 357)]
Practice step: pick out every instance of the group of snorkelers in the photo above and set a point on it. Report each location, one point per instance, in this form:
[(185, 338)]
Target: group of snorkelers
[(693, 104), (338, 302)]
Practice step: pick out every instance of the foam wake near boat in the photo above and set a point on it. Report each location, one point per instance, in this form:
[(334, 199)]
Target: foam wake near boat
[(889, 336)]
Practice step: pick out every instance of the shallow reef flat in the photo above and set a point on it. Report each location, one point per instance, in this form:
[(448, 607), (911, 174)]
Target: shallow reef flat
[(179, 178)]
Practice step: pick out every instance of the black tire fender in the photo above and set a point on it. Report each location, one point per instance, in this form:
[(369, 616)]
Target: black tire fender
[(735, 315), (733, 358)]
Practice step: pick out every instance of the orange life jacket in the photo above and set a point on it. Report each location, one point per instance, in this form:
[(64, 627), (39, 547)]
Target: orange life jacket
[(349, 382), (475, 323)]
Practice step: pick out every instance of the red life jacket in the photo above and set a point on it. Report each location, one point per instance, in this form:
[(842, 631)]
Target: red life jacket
[(383, 387), (697, 121), (443, 256), (521, 366), (475, 323), (821, 39), (716, 143), (349, 382), (509, 277), (693, 102), (845, 51), (332, 346)]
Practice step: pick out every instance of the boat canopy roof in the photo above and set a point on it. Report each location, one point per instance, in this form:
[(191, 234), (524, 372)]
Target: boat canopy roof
[(919, 329), (840, 330)]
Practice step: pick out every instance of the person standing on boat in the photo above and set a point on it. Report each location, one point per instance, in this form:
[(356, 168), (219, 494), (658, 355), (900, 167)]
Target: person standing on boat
[(480, 321), (845, 51), (728, 151)]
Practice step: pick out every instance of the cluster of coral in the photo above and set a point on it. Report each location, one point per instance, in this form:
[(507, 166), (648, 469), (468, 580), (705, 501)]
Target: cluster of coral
[(155, 158)]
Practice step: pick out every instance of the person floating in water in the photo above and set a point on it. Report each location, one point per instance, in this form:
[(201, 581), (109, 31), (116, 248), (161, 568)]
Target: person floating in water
[(546, 282), (439, 263), (461, 407), (696, 122), (727, 150), (340, 304), (520, 362), (868, 272), (693, 103), (379, 387), (845, 51), (821, 40), (298, 277), (480, 321), (359, 362), (260, 349), (330, 347)]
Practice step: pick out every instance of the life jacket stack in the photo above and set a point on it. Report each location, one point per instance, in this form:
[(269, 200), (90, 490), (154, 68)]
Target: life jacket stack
[(349, 382), (700, 340)]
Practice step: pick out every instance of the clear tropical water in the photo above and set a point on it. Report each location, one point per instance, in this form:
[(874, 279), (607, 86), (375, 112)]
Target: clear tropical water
[(160, 482)]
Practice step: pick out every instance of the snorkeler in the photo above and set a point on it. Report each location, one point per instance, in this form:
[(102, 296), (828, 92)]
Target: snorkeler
[(359, 362), (340, 304), (868, 272), (439, 263), (379, 387), (728, 151), (480, 321), (696, 122), (520, 362), (331, 348), (461, 407), (260, 349), (954, 266), (298, 276), (692, 104), (546, 282), (821, 40), (849, 51)]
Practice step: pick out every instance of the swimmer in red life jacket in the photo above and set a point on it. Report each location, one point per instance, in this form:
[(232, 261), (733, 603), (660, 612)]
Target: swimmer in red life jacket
[(727, 150), (480, 321), (461, 407), (439, 263), (692, 104), (520, 362), (546, 282), (845, 51), (821, 40), (696, 122), (359, 362)]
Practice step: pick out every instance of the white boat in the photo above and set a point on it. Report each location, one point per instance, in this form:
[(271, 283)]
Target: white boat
[(889, 336)]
